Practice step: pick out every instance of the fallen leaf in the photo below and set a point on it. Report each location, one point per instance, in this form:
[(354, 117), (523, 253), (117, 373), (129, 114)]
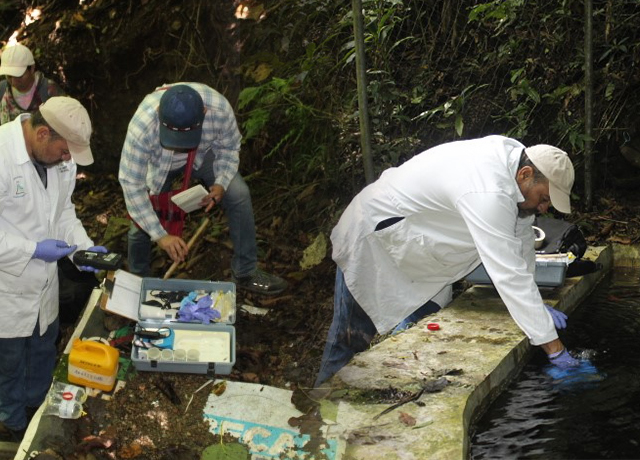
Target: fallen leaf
[(133, 450), (407, 419), (250, 377), (219, 388), (619, 239), (396, 364)]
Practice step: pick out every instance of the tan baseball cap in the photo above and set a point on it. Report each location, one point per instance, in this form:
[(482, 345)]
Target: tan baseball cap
[(70, 119), (556, 166), (15, 59)]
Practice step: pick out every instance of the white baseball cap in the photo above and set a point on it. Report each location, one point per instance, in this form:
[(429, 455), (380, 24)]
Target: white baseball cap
[(556, 166), (70, 119), (15, 59)]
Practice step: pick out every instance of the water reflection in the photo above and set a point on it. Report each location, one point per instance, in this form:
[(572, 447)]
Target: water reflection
[(543, 417)]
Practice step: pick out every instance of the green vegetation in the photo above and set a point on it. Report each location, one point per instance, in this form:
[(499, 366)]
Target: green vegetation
[(436, 72)]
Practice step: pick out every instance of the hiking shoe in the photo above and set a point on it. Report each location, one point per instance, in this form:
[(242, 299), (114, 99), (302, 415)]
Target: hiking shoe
[(261, 282)]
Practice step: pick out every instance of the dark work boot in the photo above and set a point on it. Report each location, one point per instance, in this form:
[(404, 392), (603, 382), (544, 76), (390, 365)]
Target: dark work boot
[(261, 283)]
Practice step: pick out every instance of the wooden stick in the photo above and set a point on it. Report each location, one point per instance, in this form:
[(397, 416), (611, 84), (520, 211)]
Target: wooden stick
[(190, 243)]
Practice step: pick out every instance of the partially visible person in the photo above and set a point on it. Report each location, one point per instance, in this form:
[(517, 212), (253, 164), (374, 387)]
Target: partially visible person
[(170, 122), (22, 91), (38, 226), (406, 238), (25, 88)]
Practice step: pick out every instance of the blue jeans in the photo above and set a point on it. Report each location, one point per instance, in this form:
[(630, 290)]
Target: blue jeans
[(352, 330), (237, 206), (427, 309), (26, 372)]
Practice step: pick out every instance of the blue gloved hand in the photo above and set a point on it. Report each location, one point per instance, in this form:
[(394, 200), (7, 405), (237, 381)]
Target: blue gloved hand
[(559, 318), (52, 250), (563, 359), (583, 375), (93, 249)]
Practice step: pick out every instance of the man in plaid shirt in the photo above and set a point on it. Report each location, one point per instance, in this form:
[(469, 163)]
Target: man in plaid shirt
[(169, 123)]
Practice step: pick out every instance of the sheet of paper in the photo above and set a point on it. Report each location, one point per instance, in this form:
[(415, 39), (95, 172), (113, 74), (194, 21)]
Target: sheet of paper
[(125, 295), (190, 199)]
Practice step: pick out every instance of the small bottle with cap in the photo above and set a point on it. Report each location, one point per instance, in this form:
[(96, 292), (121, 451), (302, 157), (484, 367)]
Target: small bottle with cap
[(62, 408), (68, 392)]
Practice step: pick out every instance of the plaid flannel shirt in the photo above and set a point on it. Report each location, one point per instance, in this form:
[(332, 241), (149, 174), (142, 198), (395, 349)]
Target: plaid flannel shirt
[(145, 164)]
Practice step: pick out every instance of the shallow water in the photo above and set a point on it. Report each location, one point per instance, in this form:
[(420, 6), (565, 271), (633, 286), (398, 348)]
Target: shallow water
[(597, 417)]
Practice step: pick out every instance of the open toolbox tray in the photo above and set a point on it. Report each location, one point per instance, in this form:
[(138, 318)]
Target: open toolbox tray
[(196, 348)]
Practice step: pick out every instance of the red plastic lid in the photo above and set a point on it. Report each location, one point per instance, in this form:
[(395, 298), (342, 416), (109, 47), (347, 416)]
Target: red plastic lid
[(433, 326)]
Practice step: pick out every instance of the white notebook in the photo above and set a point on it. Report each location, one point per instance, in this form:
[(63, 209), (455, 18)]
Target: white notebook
[(190, 199)]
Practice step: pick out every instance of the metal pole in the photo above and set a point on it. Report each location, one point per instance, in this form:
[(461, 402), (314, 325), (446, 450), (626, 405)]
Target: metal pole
[(361, 77), (588, 104)]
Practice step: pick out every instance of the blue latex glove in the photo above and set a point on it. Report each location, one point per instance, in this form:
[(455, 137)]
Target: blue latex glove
[(583, 375), (98, 249), (52, 250), (559, 318), (94, 249), (563, 359)]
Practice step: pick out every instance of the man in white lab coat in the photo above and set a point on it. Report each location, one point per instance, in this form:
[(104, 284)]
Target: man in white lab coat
[(38, 226), (405, 239)]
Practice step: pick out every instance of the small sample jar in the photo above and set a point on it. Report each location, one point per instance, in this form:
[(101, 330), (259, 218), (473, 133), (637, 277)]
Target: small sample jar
[(153, 354), (166, 355), (193, 355)]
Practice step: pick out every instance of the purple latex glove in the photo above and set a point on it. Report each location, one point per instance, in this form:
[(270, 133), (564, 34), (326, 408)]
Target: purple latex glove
[(204, 302), (52, 250), (563, 359), (192, 313), (206, 316), (199, 311), (559, 318), (204, 308), (94, 249)]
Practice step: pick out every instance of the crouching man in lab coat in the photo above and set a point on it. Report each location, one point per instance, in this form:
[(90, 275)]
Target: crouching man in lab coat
[(405, 239), (38, 226)]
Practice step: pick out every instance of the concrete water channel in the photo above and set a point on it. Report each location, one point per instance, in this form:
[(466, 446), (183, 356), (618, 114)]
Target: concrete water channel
[(478, 350)]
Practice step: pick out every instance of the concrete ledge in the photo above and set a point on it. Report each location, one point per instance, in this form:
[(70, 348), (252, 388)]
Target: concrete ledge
[(478, 349), (625, 255)]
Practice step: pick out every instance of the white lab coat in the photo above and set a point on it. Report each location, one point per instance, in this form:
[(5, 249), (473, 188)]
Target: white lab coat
[(459, 203), (30, 213)]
